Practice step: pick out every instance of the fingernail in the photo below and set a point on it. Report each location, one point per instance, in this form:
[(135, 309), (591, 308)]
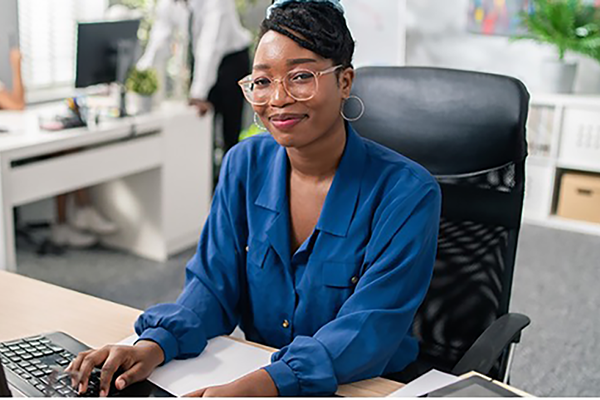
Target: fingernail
[(79, 388), (103, 393), (120, 383)]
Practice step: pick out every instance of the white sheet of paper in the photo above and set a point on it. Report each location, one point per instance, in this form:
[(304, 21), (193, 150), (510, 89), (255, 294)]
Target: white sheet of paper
[(426, 383), (222, 361)]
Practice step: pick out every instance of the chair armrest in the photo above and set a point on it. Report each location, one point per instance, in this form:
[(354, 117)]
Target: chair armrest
[(488, 347)]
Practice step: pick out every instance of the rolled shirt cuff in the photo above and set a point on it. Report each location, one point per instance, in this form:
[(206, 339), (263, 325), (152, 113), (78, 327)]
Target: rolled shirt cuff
[(165, 339), (284, 378)]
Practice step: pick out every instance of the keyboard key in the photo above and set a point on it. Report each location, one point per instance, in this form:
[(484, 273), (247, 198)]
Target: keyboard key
[(48, 371), (24, 374), (11, 366), (37, 354), (26, 356), (40, 387), (64, 391), (18, 371), (14, 347), (15, 359), (12, 343), (33, 338), (45, 340), (48, 352), (31, 368), (62, 361), (37, 373), (36, 362), (9, 354), (24, 364), (56, 349), (45, 381), (34, 381), (20, 352)]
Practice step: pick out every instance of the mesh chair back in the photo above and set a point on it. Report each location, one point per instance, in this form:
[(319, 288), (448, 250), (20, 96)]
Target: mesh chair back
[(468, 130)]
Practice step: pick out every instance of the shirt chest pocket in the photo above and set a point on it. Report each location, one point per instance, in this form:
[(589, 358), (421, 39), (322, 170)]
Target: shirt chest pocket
[(341, 275)]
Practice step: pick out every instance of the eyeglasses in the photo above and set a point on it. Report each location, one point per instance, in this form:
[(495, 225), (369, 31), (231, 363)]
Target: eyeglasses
[(301, 85)]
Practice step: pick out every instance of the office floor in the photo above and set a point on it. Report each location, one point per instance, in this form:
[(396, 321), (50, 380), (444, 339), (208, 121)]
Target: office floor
[(555, 281)]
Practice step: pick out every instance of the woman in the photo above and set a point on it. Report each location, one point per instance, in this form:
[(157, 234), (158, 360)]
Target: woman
[(318, 242), (14, 99)]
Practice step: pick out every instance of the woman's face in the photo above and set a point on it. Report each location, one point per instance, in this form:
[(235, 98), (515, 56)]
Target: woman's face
[(298, 123)]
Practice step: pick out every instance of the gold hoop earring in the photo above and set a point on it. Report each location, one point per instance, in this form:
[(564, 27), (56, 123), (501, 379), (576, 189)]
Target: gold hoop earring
[(360, 114), (258, 123)]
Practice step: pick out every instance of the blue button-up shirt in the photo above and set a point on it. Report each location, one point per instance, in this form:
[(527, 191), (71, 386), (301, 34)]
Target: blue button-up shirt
[(341, 307)]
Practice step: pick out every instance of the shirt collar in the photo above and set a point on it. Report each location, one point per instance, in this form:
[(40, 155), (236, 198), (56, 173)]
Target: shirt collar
[(340, 203), (273, 195)]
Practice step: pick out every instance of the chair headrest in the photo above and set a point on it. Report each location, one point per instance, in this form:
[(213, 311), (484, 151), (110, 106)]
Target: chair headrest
[(451, 122)]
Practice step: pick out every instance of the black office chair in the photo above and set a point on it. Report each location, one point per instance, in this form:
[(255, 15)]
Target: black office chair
[(468, 130)]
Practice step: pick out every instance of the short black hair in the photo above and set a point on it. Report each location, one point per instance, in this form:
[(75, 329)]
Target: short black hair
[(318, 27)]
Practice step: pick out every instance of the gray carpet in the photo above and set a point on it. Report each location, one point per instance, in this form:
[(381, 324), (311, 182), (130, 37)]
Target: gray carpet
[(554, 285)]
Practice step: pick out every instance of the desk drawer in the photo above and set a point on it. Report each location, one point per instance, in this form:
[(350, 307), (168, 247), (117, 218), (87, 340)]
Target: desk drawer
[(38, 180)]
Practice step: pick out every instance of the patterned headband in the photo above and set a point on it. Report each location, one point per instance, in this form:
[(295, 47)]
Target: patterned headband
[(280, 3)]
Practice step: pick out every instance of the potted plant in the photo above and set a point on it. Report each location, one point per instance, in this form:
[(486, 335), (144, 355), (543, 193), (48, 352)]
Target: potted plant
[(569, 25), (144, 83)]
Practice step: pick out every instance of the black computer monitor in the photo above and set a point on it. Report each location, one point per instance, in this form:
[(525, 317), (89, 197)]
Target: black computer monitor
[(105, 51)]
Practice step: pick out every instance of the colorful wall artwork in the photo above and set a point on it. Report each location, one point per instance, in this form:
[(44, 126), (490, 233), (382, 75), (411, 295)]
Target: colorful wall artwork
[(501, 17), (496, 17)]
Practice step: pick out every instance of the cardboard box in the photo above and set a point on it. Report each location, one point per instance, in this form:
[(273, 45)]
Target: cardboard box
[(580, 197)]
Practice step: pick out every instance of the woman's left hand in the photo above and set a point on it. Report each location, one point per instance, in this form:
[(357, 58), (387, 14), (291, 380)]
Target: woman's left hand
[(255, 384)]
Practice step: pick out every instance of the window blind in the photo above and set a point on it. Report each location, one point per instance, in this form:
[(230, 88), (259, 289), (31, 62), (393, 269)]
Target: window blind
[(47, 33)]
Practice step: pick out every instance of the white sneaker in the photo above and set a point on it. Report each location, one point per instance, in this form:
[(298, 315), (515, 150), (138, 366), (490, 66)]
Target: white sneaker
[(88, 219), (65, 235)]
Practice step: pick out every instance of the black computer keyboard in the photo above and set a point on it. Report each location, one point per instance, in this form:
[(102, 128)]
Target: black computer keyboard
[(31, 365), (36, 362)]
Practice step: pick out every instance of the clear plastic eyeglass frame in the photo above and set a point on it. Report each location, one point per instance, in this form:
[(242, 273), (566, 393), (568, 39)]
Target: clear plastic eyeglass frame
[(247, 83)]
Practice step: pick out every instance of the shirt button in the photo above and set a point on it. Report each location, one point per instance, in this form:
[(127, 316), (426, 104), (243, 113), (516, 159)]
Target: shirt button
[(354, 280), (247, 248), (286, 323)]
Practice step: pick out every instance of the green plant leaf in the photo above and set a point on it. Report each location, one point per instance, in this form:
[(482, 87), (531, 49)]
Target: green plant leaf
[(569, 25)]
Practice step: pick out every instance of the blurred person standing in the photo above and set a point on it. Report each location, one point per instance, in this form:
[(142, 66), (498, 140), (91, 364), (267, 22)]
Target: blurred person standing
[(218, 52)]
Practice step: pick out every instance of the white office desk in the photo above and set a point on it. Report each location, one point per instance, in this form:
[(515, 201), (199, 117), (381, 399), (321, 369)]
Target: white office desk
[(151, 174)]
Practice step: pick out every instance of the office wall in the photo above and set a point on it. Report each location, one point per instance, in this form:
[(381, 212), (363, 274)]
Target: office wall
[(437, 36), (8, 31)]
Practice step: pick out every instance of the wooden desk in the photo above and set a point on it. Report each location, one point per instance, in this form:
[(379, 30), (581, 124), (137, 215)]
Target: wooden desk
[(29, 307)]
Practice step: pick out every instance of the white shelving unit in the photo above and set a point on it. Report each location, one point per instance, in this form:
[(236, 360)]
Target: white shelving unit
[(564, 136)]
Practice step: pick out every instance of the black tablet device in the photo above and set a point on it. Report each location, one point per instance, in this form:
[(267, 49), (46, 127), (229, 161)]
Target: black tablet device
[(474, 386)]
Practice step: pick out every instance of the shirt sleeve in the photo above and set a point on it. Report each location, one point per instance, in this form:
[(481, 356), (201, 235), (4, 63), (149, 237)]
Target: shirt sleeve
[(371, 325), (160, 33), (208, 51), (208, 305)]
